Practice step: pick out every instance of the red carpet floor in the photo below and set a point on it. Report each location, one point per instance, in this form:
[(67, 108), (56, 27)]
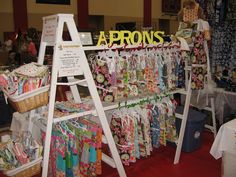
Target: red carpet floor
[(160, 164)]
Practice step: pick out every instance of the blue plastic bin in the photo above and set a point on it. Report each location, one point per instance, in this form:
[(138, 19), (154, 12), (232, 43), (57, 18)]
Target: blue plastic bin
[(193, 131)]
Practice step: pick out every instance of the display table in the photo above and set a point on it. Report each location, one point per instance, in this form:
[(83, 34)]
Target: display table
[(225, 146), (225, 104)]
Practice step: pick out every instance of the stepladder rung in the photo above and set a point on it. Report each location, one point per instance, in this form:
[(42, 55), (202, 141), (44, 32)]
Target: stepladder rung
[(179, 116), (104, 139), (73, 82), (74, 115), (208, 108), (108, 160), (188, 68), (211, 128), (183, 91)]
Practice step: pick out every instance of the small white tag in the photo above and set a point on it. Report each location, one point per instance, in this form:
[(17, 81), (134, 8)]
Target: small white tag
[(5, 138)]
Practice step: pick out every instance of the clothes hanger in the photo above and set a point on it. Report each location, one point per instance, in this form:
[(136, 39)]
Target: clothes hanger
[(62, 131), (75, 124), (120, 114), (65, 127)]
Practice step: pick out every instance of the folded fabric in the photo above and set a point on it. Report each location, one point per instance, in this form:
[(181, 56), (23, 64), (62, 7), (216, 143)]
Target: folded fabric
[(31, 70), (25, 78)]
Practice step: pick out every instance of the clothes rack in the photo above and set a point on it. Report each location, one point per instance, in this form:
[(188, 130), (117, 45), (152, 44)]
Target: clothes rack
[(52, 36)]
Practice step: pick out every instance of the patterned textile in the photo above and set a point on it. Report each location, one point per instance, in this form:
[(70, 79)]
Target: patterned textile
[(190, 15), (130, 73), (137, 130), (32, 70), (102, 77), (222, 52), (197, 44), (231, 10), (75, 149), (221, 16)]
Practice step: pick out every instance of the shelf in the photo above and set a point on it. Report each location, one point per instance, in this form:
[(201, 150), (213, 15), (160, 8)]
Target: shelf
[(75, 115), (114, 105), (73, 82), (179, 116), (136, 100), (115, 46)]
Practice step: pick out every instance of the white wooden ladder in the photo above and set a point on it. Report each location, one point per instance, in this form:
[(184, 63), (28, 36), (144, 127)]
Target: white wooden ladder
[(69, 60)]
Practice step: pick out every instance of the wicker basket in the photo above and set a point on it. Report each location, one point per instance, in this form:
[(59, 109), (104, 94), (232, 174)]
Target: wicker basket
[(27, 170), (30, 100)]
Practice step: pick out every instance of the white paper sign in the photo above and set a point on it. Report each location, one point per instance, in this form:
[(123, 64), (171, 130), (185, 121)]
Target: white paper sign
[(86, 38), (69, 58), (49, 29)]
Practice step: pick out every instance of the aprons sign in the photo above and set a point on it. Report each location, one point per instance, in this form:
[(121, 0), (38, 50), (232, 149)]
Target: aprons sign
[(125, 37)]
